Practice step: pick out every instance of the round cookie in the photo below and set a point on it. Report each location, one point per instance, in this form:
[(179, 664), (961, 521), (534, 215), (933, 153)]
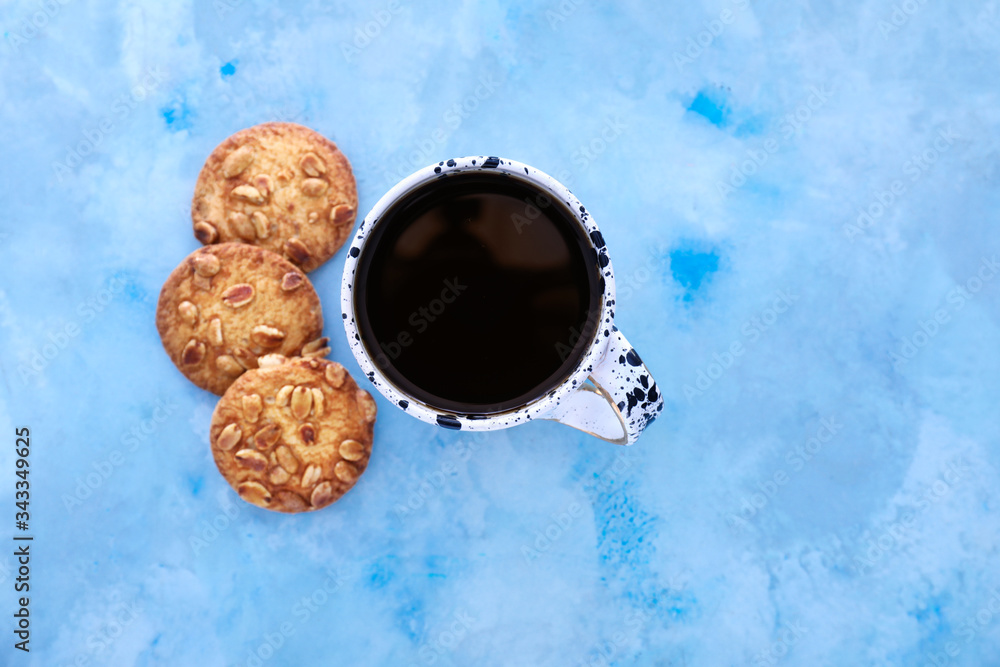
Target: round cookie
[(293, 435), (225, 305), (280, 186)]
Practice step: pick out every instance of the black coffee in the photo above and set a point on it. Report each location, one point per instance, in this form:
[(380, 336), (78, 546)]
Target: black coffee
[(473, 293)]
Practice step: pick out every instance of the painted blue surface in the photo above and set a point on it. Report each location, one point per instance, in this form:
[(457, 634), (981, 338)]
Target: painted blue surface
[(822, 487), (690, 268), (712, 110)]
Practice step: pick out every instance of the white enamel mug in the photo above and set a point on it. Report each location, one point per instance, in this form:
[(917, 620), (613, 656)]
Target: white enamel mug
[(609, 393)]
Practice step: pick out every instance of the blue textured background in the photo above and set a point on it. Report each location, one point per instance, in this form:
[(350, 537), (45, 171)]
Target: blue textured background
[(827, 496)]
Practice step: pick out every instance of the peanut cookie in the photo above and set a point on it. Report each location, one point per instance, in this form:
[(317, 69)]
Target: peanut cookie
[(227, 304), (280, 186), (293, 435)]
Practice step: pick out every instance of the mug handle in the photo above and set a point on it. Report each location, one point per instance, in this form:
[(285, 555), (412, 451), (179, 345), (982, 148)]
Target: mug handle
[(619, 401)]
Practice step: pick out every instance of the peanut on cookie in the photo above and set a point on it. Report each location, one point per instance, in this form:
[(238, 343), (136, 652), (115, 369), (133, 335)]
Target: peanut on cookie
[(280, 186), (293, 435), (226, 305)]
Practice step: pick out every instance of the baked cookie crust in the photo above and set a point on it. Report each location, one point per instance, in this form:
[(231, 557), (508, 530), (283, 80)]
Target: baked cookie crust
[(280, 186), (225, 305), (293, 435)]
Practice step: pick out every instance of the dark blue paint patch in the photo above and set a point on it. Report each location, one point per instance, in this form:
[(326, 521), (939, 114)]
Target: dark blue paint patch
[(491, 163), (404, 404), (627, 550), (355, 251), (380, 573), (603, 259), (344, 315), (633, 358), (451, 163), (711, 106), (177, 116), (690, 268), (625, 544), (228, 69), (447, 421), (437, 170), (597, 238)]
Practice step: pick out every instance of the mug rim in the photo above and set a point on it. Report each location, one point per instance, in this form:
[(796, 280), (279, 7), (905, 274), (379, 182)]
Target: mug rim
[(596, 346)]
